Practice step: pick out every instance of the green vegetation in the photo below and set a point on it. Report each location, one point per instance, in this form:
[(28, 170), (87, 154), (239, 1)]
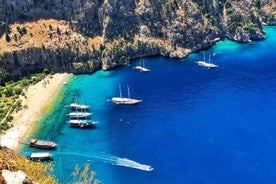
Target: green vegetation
[(271, 16), (3, 75), (41, 172), (229, 8), (249, 26), (36, 171), (85, 176), (9, 97), (210, 18), (21, 31)]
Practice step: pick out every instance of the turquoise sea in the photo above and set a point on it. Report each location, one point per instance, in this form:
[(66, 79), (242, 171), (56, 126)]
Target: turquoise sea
[(195, 125)]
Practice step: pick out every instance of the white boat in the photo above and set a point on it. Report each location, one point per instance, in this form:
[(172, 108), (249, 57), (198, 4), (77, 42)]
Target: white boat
[(79, 114), (37, 155), (125, 101), (141, 68), (81, 123), (76, 106), (206, 64)]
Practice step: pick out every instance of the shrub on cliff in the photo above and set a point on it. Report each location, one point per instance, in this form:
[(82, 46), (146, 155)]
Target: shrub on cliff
[(41, 172), (36, 171)]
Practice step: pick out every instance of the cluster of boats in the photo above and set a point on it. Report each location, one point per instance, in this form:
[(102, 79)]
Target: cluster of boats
[(80, 117), (40, 144), (127, 100), (203, 63)]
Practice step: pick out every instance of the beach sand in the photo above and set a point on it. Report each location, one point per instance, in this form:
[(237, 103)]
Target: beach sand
[(38, 96)]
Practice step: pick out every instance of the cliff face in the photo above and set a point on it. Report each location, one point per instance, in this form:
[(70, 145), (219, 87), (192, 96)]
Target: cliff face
[(81, 36)]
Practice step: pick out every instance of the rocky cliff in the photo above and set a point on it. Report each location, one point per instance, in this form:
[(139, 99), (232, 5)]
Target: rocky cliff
[(81, 36)]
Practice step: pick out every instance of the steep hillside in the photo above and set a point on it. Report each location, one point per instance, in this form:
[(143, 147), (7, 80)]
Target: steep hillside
[(33, 171), (51, 44), (81, 36)]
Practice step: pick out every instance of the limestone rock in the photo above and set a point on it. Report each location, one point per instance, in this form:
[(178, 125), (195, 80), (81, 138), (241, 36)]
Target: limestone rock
[(83, 36), (18, 177)]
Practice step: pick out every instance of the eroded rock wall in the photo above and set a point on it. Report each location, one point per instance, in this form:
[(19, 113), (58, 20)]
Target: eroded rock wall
[(124, 30)]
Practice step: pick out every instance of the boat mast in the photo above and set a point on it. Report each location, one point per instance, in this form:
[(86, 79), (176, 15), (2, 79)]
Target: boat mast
[(120, 90), (128, 92)]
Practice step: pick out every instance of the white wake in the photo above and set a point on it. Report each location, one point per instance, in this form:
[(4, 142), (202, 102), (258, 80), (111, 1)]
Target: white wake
[(114, 160)]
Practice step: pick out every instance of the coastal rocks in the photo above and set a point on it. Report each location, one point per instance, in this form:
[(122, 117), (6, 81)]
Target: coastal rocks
[(268, 11), (244, 37), (18, 177), (105, 34), (51, 45), (242, 22), (271, 22), (259, 35), (180, 53)]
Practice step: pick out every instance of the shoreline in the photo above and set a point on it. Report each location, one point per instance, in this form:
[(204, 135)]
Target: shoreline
[(38, 96)]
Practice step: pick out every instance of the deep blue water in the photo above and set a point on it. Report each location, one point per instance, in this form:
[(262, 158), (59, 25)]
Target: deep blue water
[(195, 125)]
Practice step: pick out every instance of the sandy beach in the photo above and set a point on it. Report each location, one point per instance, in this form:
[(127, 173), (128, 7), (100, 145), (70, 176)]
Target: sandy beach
[(38, 96)]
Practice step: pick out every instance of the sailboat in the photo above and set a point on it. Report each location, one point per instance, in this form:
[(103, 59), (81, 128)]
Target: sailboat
[(141, 68), (78, 106), (206, 64), (125, 101), (82, 123), (80, 119), (79, 114)]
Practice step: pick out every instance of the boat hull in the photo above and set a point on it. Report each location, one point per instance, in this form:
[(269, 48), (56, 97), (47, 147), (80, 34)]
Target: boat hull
[(79, 114), (42, 144), (125, 101), (38, 156), (141, 69), (82, 123), (207, 65), (75, 106)]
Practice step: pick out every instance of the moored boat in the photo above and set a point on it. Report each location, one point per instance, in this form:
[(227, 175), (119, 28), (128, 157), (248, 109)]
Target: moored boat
[(206, 64), (76, 106), (141, 69), (79, 114), (44, 144), (37, 156), (81, 123), (125, 100)]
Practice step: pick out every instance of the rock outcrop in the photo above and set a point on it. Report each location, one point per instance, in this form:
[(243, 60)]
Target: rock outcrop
[(81, 36), (12, 177)]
